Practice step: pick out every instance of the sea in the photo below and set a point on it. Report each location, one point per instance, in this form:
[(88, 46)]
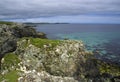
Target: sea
[(101, 38)]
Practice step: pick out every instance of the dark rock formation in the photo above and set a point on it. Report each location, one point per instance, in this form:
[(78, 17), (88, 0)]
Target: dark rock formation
[(27, 31), (7, 41), (8, 45), (19, 31)]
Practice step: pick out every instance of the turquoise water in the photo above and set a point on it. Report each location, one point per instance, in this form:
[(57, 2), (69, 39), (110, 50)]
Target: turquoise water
[(98, 42), (104, 39)]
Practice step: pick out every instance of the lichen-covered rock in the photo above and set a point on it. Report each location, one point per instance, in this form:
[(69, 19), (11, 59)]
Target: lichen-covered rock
[(66, 59), (43, 76)]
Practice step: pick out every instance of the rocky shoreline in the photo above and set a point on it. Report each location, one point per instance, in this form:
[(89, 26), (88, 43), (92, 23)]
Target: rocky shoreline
[(28, 56)]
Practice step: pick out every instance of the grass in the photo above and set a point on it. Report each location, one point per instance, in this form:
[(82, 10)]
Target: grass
[(10, 59), (11, 76), (41, 42), (5, 22)]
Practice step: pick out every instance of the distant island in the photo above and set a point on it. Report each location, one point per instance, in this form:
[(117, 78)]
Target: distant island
[(34, 24)]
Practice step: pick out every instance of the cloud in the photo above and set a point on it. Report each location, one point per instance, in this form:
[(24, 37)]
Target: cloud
[(12, 9), (74, 19)]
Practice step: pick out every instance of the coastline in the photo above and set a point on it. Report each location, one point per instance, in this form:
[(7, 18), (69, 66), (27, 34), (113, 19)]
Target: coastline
[(57, 60)]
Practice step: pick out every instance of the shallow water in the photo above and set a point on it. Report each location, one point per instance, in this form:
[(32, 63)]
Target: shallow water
[(103, 38)]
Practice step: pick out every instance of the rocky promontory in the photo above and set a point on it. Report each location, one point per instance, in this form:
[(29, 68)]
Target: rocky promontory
[(11, 32), (28, 56)]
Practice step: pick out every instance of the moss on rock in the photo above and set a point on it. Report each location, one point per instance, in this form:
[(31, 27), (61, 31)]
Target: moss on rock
[(10, 61), (9, 66), (108, 68), (40, 43), (11, 76)]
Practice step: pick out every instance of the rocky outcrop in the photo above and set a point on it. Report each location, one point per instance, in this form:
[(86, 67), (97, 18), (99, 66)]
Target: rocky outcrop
[(27, 31), (19, 31), (7, 41), (9, 34), (63, 60), (8, 45), (68, 59)]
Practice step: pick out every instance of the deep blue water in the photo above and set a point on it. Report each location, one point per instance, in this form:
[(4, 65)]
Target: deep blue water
[(103, 38)]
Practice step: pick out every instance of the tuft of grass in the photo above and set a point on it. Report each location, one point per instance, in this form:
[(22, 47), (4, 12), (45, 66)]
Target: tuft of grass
[(11, 76), (10, 60)]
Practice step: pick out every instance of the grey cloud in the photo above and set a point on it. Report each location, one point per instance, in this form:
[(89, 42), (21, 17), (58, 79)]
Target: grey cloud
[(45, 8)]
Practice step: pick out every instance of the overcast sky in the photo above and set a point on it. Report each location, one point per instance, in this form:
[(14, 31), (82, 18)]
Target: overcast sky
[(75, 11)]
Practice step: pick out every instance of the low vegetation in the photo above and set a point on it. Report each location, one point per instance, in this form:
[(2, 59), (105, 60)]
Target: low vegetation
[(9, 66), (7, 23), (11, 76), (40, 42), (106, 68)]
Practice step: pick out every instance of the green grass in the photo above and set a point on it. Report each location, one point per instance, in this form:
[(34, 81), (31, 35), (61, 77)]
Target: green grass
[(11, 76), (10, 59), (41, 42), (5, 22)]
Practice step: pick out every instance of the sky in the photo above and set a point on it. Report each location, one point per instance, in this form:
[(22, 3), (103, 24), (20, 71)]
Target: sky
[(68, 11)]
